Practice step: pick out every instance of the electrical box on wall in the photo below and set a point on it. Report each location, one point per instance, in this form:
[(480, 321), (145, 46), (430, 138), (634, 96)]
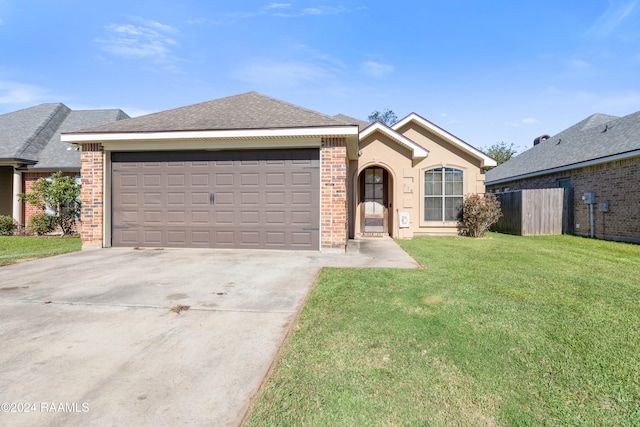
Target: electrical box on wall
[(589, 198), (403, 219), (603, 207)]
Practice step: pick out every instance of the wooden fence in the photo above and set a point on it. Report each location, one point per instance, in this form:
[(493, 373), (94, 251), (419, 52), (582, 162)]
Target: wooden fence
[(533, 212)]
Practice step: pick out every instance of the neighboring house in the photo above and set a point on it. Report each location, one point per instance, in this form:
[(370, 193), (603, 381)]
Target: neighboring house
[(249, 171), (600, 155), (30, 148)]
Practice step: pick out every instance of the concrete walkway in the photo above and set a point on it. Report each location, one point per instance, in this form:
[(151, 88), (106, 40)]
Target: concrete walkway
[(89, 338)]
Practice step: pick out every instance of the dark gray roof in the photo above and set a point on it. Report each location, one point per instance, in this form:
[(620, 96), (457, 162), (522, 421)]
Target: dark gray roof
[(597, 137), (58, 154), (246, 111), (24, 133), (32, 135), (352, 121)]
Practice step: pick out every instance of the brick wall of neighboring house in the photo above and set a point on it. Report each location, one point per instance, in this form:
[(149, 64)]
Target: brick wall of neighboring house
[(91, 194), (617, 183), (333, 182), (28, 179)]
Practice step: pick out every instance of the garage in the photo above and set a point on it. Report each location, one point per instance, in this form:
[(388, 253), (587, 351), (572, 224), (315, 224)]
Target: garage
[(260, 199)]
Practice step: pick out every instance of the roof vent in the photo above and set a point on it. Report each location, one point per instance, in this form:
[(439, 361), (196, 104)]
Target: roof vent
[(540, 139)]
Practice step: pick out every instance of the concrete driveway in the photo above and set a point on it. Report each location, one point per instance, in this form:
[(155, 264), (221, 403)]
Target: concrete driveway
[(89, 339)]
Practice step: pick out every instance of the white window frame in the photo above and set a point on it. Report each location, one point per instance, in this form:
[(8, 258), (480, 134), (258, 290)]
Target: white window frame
[(442, 196)]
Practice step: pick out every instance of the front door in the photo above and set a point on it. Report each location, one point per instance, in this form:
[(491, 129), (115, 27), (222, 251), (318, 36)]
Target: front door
[(374, 200)]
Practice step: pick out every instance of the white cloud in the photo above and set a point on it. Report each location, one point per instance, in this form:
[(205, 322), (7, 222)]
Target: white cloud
[(376, 69), (579, 64), (19, 93), (278, 5), (309, 11), (611, 18), (149, 39)]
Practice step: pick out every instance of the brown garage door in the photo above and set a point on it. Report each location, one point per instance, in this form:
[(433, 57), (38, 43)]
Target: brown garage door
[(267, 199)]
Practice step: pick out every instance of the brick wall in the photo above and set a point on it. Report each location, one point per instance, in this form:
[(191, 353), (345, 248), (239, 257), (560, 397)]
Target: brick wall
[(333, 191), (617, 183), (28, 179), (91, 195)]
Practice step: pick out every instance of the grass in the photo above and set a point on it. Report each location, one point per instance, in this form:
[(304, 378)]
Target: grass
[(20, 248), (499, 331)]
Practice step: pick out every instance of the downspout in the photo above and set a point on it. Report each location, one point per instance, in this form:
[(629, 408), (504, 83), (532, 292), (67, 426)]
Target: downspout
[(592, 218)]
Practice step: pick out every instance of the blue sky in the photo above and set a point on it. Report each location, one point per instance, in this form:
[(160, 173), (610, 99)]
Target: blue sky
[(486, 71)]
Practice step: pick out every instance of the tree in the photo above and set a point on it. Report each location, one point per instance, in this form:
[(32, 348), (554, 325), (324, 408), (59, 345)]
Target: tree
[(501, 152), (387, 117), (60, 194)]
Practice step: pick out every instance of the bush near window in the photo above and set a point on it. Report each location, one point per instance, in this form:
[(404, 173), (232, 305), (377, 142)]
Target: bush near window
[(7, 225), (41, 224), (479, 213)]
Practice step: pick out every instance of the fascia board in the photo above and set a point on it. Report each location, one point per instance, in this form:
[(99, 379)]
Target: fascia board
[(211, 144), (417, 151), (210, 134), (580, 165), (486, 160)]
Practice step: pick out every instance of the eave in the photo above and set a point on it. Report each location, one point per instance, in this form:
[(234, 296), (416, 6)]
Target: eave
[(218, 139), (564, 168), (436, 130)]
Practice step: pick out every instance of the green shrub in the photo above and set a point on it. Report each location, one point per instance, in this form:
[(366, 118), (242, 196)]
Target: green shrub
[(479, 213), (7, 225), (41, 224)]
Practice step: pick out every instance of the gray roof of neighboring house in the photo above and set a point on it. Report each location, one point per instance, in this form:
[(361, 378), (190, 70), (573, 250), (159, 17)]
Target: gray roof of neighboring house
[(352, 121), (24, 133), (32, 135), (246, 111), (597, 137), (56, 154)]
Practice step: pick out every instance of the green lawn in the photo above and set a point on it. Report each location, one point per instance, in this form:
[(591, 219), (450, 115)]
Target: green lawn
[(500, 331), (16, 248)]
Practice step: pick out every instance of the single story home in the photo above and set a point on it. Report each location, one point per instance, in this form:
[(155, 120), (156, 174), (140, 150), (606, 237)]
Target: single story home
[(597, 161), (30, 149), (250, 171)]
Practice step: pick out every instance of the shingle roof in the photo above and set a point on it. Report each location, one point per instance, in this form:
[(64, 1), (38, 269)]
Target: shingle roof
[(24, 133), (246, 111), (56, 155), (597, 137), (32, 135), (348, 120)]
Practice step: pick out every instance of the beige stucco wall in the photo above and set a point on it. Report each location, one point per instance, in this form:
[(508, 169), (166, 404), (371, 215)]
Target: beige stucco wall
[(405, 177)]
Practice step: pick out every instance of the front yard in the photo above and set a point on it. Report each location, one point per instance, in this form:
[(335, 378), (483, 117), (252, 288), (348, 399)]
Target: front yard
[(499, 331), (20, 248)]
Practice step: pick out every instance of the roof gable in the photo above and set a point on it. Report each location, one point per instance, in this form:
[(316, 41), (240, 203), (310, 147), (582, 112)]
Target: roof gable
[(240, 112), (438, 131), (417, 151), (598, 138)]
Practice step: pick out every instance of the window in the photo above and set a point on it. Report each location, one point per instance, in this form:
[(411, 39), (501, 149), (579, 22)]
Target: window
[(443, 190)]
